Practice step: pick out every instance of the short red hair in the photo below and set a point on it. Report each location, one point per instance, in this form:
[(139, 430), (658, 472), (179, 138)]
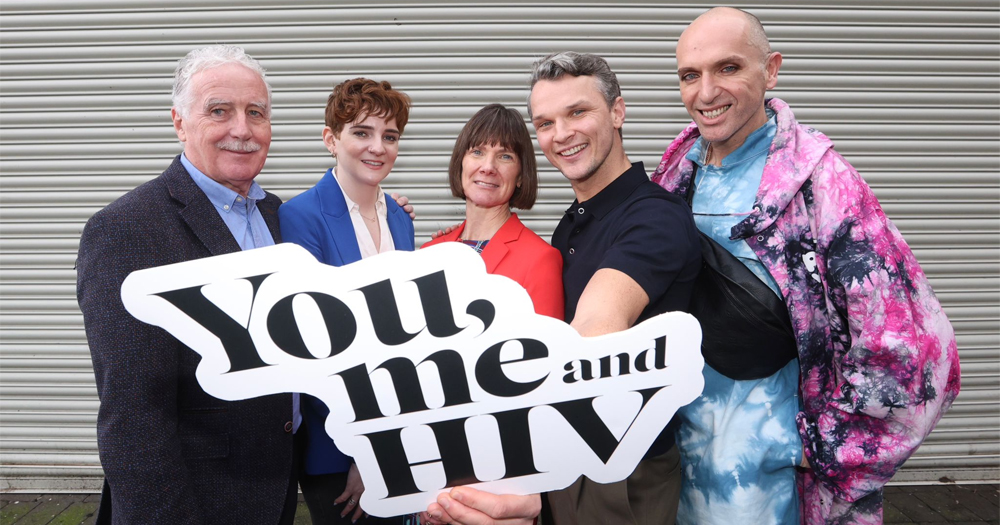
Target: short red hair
[(359, 98)]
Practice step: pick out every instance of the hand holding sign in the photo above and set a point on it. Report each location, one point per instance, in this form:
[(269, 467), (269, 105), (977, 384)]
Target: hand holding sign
[(436, 373)]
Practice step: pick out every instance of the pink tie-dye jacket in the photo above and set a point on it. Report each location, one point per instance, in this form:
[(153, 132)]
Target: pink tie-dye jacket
[(877, 356)]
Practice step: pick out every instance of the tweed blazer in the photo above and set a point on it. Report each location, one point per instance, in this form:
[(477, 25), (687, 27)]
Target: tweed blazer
[(171, 453)]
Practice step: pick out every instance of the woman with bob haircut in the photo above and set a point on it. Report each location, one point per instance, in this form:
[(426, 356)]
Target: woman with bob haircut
[(344, 218), (493, 169)]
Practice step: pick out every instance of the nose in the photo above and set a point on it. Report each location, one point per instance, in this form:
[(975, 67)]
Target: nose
[(563, 132), (241, 128), (708, 89), (376, 148), (489, 165)]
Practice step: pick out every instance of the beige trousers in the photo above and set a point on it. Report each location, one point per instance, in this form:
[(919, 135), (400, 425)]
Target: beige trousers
[(647, 497)]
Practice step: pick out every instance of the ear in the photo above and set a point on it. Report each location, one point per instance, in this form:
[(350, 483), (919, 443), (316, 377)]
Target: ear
[(771, 67), (178, 127), (330, 139), (618, 112)]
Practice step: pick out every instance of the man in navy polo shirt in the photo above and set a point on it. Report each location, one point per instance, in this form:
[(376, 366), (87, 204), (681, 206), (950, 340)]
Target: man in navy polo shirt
[(620, 266)]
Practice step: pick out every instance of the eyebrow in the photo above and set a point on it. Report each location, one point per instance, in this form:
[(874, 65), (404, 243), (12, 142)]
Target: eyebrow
[(372, 128), (222, 102), (568, 107), (217, 102), (731, 59)]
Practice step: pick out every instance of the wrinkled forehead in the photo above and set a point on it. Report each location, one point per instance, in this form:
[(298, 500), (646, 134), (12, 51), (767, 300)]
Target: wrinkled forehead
[(715, 40), (230, 81)]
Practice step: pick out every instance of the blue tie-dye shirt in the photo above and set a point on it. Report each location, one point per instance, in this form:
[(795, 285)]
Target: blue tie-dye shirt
[(739, 443)]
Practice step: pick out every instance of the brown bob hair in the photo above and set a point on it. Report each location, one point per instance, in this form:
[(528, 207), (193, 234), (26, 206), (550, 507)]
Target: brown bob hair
[(493, 125), (360, 98)]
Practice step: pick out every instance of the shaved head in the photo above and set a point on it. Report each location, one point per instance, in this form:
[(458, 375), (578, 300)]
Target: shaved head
[(753, 30), (725, 67)]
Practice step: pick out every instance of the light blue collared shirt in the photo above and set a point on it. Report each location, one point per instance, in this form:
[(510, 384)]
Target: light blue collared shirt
[(238, 212)]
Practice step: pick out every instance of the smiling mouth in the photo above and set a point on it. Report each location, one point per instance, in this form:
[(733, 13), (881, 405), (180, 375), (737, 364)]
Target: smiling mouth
[(572, 151), (373, 163), (485, 184), (716, 112)]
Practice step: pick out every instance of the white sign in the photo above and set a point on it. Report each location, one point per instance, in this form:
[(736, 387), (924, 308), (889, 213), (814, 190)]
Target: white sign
[(436, 373)]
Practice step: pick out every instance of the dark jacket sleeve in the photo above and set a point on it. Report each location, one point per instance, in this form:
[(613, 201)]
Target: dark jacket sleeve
[(136, 366)]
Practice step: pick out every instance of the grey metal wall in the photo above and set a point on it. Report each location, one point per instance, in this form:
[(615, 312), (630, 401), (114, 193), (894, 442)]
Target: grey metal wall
[(909, 94)]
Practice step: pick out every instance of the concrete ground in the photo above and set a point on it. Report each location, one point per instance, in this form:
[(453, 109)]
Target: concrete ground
[(904, 504)]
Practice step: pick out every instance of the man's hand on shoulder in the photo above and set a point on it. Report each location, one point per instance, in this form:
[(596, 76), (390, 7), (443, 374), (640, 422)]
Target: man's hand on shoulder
[(467, 506), (404, 203), (445, 231)]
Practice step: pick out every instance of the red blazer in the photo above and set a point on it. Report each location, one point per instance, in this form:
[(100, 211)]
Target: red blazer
[(518, 253)]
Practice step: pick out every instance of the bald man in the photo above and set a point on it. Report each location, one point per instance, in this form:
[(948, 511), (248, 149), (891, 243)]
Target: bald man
[(849, 313)]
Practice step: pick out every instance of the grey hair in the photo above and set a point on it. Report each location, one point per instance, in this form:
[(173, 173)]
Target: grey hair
[(556, 65), (204, 58)]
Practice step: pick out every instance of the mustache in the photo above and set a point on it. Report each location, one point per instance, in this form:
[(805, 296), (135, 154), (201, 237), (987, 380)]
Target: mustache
[(239, 146)]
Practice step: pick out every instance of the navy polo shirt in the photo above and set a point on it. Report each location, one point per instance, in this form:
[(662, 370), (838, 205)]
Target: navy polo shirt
[(638, 228)]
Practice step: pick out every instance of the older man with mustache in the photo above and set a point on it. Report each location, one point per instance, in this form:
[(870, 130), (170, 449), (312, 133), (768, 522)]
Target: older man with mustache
[(172, 453)]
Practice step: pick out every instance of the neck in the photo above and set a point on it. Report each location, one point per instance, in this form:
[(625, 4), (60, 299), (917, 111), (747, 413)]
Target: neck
[(481, 224), (243, 190), (364, 195), (613, 166), (711, 158)]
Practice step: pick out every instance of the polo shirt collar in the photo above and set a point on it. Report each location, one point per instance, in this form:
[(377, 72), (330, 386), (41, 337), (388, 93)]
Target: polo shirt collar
[(613, 194)]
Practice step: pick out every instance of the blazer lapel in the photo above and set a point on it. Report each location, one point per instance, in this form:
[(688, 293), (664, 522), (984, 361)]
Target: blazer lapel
[(338, 220), (397, 219), (497, 248), (197, 211), (269, 211)]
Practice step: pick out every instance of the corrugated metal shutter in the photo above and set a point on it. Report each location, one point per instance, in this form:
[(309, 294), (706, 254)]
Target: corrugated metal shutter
[(909, 94)]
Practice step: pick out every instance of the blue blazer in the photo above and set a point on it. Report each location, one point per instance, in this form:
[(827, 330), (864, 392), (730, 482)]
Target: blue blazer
[(319, 221)]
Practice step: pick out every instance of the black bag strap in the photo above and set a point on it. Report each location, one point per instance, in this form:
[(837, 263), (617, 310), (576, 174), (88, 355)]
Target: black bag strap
[(746, 330)]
